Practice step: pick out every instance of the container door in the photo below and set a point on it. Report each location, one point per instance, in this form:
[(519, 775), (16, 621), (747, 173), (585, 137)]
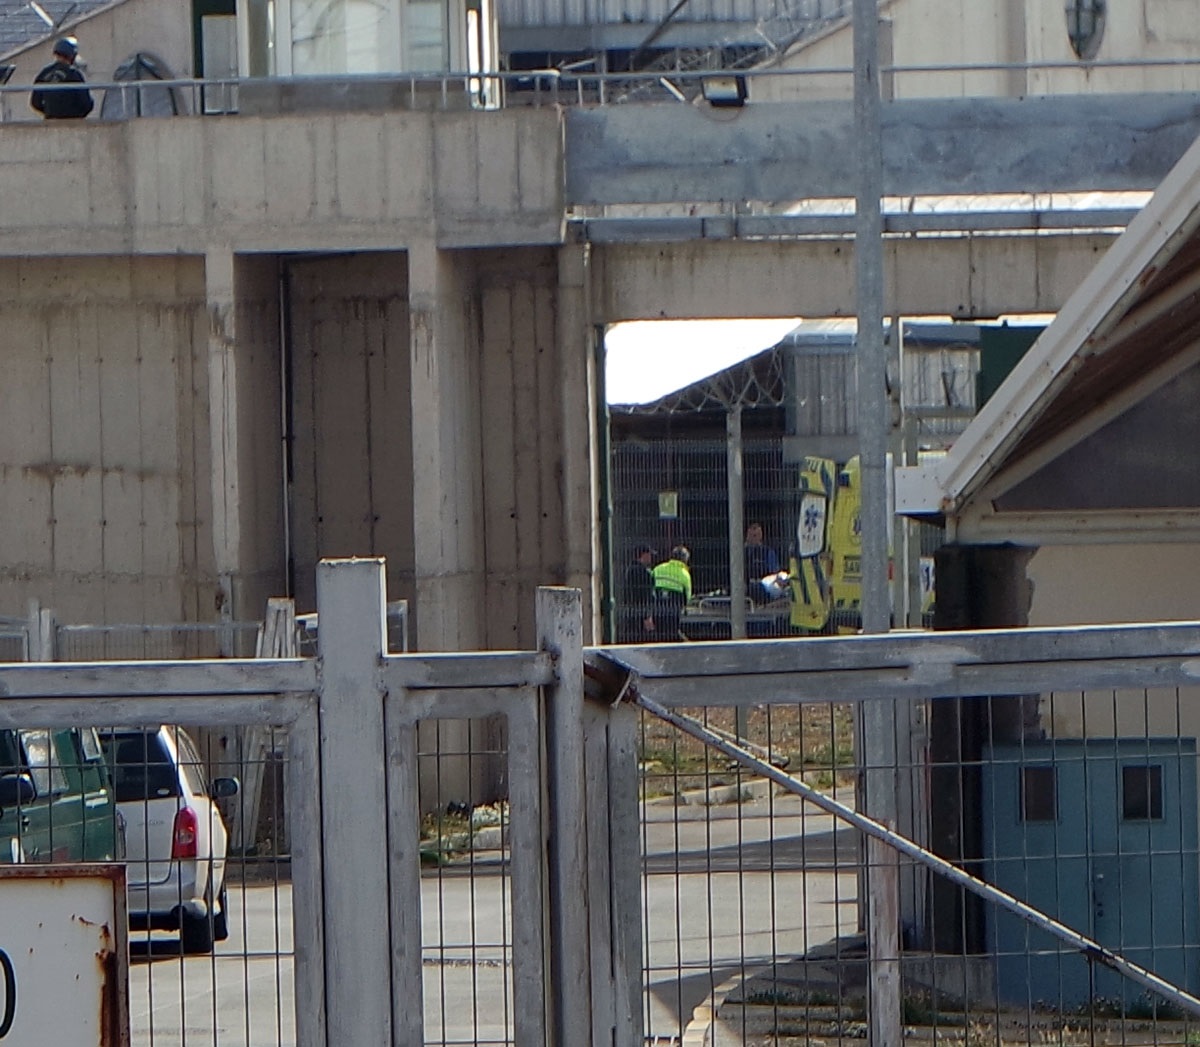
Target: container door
[(1036, 842), (1101, 835)]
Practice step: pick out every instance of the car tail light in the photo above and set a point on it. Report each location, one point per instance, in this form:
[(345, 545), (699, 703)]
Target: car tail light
[(183, 837)]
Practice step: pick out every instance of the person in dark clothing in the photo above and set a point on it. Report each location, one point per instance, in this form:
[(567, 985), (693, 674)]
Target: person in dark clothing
[(637, 612), (761, 560), (68, 103)]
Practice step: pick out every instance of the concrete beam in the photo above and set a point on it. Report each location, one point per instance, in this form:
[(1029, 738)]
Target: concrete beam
[(965, 277), (777, 151)]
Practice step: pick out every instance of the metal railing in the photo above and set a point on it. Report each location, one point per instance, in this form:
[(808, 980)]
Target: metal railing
[(126, 99), (159, 642)]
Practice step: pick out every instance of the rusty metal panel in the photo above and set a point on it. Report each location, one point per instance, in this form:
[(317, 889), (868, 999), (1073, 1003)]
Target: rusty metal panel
[(64, 955)]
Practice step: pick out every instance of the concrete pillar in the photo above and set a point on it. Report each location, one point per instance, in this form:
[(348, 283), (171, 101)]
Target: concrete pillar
[(244, 423), (580, 417), (978, 587), (222, 421), (448, 540), (449, 553)]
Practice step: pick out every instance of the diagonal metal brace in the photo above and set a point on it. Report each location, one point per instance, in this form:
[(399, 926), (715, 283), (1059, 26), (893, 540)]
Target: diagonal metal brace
[(1093, 950)]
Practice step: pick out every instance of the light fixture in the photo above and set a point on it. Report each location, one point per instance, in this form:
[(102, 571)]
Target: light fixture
[(724, 91), (1085, 26)]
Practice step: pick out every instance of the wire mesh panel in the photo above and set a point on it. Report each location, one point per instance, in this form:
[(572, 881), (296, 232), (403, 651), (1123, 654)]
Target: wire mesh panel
[(800, 516), (1069, 817), (465, 889), (468, 789), (738, 877), (94, 643), (14, 640)]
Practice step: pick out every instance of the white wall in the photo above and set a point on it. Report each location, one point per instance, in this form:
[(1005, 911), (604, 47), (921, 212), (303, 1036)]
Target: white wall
[(1000, 32), (1097, 584)]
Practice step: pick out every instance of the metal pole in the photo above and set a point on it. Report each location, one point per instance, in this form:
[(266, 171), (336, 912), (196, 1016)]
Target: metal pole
[(872, 354), (559, 618), (737, 530), (876, 724)]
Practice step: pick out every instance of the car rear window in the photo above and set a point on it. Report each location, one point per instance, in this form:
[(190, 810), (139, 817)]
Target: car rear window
[(189, 760), (141, 767)]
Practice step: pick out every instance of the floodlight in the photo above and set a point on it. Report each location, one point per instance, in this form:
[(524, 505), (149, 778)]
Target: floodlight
[(728, 91)]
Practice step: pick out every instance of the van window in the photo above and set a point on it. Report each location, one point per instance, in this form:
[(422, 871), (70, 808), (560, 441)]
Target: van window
[(89, 744), (10, 755)]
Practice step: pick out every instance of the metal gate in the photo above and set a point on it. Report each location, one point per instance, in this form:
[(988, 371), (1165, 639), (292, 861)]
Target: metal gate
[(634, 890)]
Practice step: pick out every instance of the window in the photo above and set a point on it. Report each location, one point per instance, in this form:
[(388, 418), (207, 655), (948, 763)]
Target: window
[(141, 767), (1141, 793), (47, 772), (1039, 799), (193, 766)]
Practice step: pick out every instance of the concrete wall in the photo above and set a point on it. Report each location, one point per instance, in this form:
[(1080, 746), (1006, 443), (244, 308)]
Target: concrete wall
[(105, 456), (522, 393), (260, 556), (352, 478), (322, 181), (997, 32), (428, 411)]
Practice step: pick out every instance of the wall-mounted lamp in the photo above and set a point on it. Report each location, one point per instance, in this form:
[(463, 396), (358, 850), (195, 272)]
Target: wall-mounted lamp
[(727, 91)]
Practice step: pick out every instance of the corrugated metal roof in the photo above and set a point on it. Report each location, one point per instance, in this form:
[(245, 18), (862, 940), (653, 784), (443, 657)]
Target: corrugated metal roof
[(592, 13), (21, 25)]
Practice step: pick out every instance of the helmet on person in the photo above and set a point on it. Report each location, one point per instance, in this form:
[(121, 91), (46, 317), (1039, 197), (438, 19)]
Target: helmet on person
[(67, 47)]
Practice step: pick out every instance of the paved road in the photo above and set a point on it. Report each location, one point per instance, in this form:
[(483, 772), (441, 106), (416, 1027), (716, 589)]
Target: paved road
[(723, 896)]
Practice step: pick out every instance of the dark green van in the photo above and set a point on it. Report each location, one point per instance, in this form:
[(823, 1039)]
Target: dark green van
[(56, 803)]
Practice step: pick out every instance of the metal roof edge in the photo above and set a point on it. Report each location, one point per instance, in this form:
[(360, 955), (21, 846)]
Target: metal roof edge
[(1040, 376)]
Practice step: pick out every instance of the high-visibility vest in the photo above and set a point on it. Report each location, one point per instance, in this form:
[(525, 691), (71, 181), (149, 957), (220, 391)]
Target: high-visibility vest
[(673, 576)]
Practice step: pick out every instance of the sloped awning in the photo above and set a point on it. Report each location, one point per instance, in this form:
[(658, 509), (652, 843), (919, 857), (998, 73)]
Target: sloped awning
[(1095, 435)]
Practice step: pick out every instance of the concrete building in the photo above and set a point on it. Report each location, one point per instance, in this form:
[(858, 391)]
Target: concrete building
[(289, 337), (236, 344), (996, 48)]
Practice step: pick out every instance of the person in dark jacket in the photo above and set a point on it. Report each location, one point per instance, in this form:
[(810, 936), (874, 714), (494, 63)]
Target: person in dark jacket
[(637, 613), (67, 103), (761, 561)]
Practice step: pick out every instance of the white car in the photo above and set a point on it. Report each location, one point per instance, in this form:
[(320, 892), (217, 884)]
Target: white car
[(175, 837)]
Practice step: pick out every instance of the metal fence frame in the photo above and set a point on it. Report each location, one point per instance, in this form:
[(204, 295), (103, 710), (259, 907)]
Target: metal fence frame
[(576, 869)]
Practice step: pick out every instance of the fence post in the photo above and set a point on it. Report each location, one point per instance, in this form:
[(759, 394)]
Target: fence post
[(46, 630), (560, 632), (351, 602), (276, 639), (614, 872)]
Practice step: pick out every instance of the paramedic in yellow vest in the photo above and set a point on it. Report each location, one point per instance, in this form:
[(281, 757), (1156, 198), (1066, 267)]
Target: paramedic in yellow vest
[(672, 589)]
